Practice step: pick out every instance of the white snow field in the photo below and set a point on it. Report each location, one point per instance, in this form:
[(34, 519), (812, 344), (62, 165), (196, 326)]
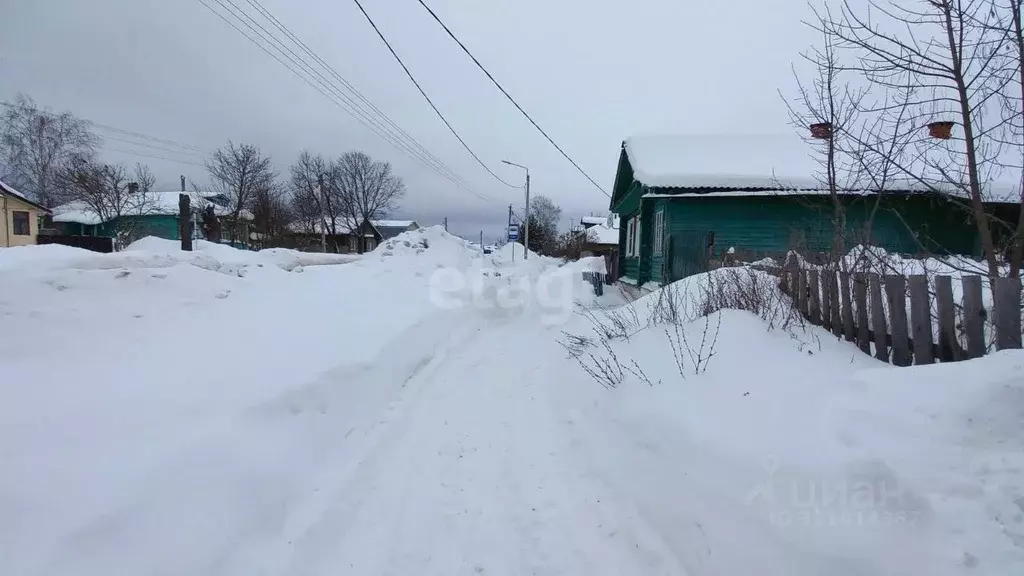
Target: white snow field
[(412, 412)]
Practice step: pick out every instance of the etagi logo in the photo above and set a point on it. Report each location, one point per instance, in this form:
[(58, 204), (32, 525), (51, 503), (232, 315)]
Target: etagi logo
[(551, 293)]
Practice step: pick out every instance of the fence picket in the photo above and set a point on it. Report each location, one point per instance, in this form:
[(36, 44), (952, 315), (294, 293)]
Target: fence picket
[(974, 316), (826, 306), (815, 297), (844, 290), (921, 319), (896, 296), (878, 318), (860, 295), (1006, 313), (949, 349), (833, 300), (802, 293)]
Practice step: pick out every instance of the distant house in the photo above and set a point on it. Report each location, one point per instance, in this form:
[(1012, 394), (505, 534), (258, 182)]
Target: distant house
[(685, 201), (364, 238), (590, 221), (601, 238), (157, 216), (20, 223)]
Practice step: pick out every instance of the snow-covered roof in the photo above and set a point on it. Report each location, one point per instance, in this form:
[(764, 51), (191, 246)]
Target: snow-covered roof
[(601, 234), (6, 188), (777, 163), (342, 226), (594, 220), (10, 190), (155, 204), (713, 161), (393, 223), (78, 212)]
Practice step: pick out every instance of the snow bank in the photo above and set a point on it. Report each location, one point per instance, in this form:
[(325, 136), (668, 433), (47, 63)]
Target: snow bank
[(431, 247), (45, 254), (794, 453), (153, 252)]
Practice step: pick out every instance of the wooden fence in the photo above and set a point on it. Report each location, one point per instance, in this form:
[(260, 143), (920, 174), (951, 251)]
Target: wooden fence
[(94, 243), (851, 306)]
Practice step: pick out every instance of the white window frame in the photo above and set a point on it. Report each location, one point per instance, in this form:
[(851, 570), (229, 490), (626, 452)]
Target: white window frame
[(638, 229), (630, 236), (659, 231)]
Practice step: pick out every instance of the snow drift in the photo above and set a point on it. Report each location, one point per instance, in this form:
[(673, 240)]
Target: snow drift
[(787, 451)]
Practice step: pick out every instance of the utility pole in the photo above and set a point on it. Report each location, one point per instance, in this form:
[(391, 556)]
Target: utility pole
[(526, 223), (323, 219), (526, 235), (507, 229)]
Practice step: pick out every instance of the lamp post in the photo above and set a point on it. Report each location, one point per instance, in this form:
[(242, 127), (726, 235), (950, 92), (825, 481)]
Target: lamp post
[(526, 224)]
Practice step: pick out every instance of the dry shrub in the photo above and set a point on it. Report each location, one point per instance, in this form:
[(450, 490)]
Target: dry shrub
[(748, 289)]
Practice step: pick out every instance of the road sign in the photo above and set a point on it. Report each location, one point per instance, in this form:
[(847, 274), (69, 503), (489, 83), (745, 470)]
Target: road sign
[(513, 232)]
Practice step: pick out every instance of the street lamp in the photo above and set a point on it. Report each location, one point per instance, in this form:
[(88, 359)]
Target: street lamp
[(526, 224)]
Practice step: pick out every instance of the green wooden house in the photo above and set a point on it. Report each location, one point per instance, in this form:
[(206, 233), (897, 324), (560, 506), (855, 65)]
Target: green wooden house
[(687, 201), (156, 216)]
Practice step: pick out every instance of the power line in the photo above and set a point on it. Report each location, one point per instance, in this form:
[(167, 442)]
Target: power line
[(417, 149), (153, 146), (135, 153), (330, 69), (510, 98), (427, 98), (195, 149), (417, 152), (270, 38), (165, 141)]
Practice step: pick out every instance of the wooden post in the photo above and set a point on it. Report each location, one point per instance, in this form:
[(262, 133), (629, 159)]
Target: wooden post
[(860, 295), (878, 324), (921, 319), (815, 297), (949, 349), (826, 295), (974, 316), (1006, 313), (844, 290), (184, 221), (896, 296), (833, 299)]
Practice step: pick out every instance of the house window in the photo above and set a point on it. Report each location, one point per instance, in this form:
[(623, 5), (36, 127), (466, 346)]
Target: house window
[(633, 236), (21, 226), (352, 244), (659, 231)]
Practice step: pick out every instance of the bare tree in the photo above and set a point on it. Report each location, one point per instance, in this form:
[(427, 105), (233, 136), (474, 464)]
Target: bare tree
[(829, 106), (1011, 27), (543, 224), (35, 143), (271, 213), (315, 207), (239, 172), (367, 189), (116, 197), (950, 53)]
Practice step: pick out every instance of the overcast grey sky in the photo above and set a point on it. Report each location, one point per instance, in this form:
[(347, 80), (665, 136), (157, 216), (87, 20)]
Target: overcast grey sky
[(591, 72)]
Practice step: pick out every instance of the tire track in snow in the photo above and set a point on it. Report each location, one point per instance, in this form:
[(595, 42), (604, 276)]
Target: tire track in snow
[(477, 479)]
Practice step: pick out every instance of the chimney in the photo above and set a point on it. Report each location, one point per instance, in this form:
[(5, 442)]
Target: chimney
[(182, 182)]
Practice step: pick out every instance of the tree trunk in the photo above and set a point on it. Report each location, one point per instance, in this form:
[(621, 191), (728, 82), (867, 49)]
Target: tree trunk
[(977, 206)]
